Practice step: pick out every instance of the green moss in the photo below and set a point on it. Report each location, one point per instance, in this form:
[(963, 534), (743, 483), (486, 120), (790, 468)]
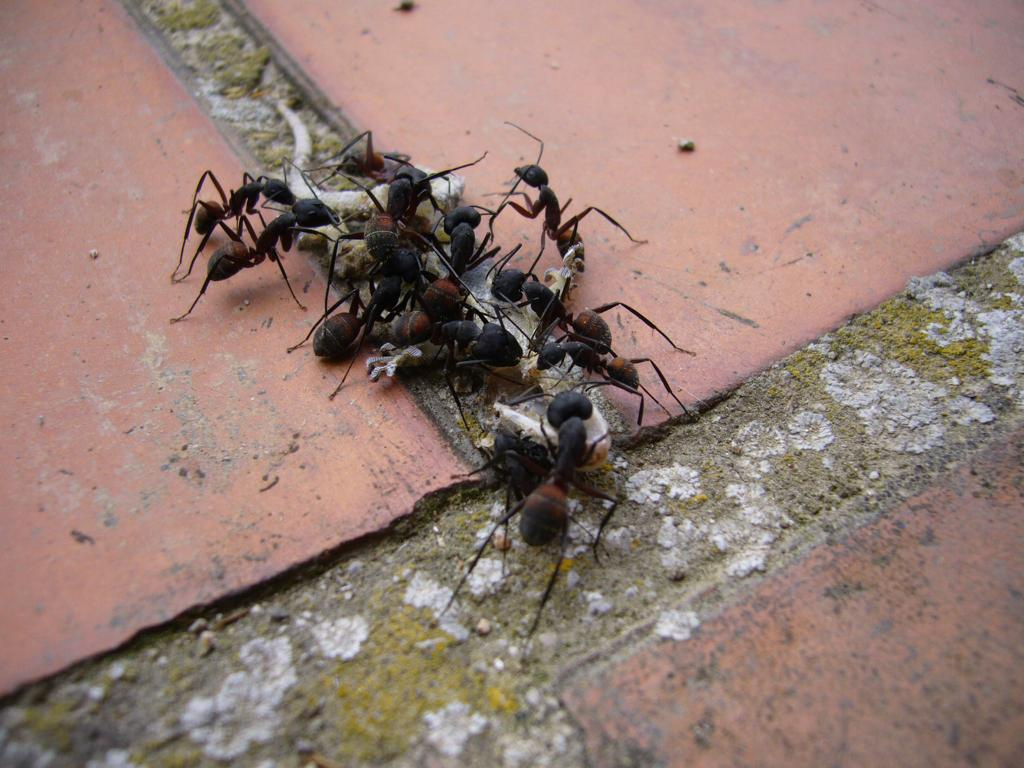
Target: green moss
[(199, 14), (235, 68), (51, 724), (380, 698), (897, 331), (805, 366)]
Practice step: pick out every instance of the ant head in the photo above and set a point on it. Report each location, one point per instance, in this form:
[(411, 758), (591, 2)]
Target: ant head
[(464, 214), (569, 404), (550, 356), (536, 290), (404, 263), (412, 174), (507, 285), (533, 175), (311, 212)]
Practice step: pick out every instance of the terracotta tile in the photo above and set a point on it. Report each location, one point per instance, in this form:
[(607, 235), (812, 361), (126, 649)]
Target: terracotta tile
[(135, 452), (900, 645), (840, 147)]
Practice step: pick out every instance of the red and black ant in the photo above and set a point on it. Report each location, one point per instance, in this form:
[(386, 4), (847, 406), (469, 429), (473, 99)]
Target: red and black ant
[(234, 256), (544, 512), (380, 166), (563, 233), (619, 372), (208, 214)]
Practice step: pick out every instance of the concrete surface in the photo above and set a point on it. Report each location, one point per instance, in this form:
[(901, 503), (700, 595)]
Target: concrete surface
[(724, 548)]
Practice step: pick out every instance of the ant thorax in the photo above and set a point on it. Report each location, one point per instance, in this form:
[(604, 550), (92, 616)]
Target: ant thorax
[(530, 420)]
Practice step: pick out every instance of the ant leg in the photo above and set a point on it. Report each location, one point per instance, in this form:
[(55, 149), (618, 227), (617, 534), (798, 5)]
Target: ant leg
[(565, 225), (590, 490), (480, 551), (277, 259), (664, 383), (644, 320), (445, 172), (553, 579), (323, 317), (202, 290), (451, 387), (192, 213), (202, 244)]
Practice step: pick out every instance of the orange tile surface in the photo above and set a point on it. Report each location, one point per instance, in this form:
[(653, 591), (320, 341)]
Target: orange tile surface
[(900, 645), (136, 453), (840, 147)]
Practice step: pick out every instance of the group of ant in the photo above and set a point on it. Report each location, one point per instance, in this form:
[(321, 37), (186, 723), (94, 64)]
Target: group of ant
[(419, 284)]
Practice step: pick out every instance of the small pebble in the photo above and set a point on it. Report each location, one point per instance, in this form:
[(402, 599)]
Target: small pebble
[(278, 614), (94, 254), (501, 542), (686, 145), (198, 626), (483, 627), (873, 474), (206, 643)]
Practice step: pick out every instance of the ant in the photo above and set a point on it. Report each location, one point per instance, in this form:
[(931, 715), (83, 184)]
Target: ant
[(407, 190), (587, 326), (234, 256), (563, 233), (617, 371), (375, 165), (544, 511), (208, 214), (459, 225)]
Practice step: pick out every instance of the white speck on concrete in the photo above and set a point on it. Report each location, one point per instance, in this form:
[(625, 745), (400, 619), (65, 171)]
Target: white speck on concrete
[(757, 440), (1016, 266), (618, 539), (810, 431), (648, 486), (895, 405), (16, 753), (1005, 331), (424, 592), (676, 625), (486, 577), (341, 638), (243, 711), (746, 563), (113, 758), (450, 728), (597, 604)]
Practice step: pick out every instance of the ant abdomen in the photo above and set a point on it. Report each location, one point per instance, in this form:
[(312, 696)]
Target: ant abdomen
[(623, 371), (228, 260), (206, 217), (593, 327), (442, 299), (335, 337), (544, 515), (412, 328)]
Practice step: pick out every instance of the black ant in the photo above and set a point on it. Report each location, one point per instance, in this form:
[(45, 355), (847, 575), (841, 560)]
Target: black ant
[(234, 256), (563, 233), (545, 510), (617, 371), (407, 190), (208, 214), (459, 225)]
